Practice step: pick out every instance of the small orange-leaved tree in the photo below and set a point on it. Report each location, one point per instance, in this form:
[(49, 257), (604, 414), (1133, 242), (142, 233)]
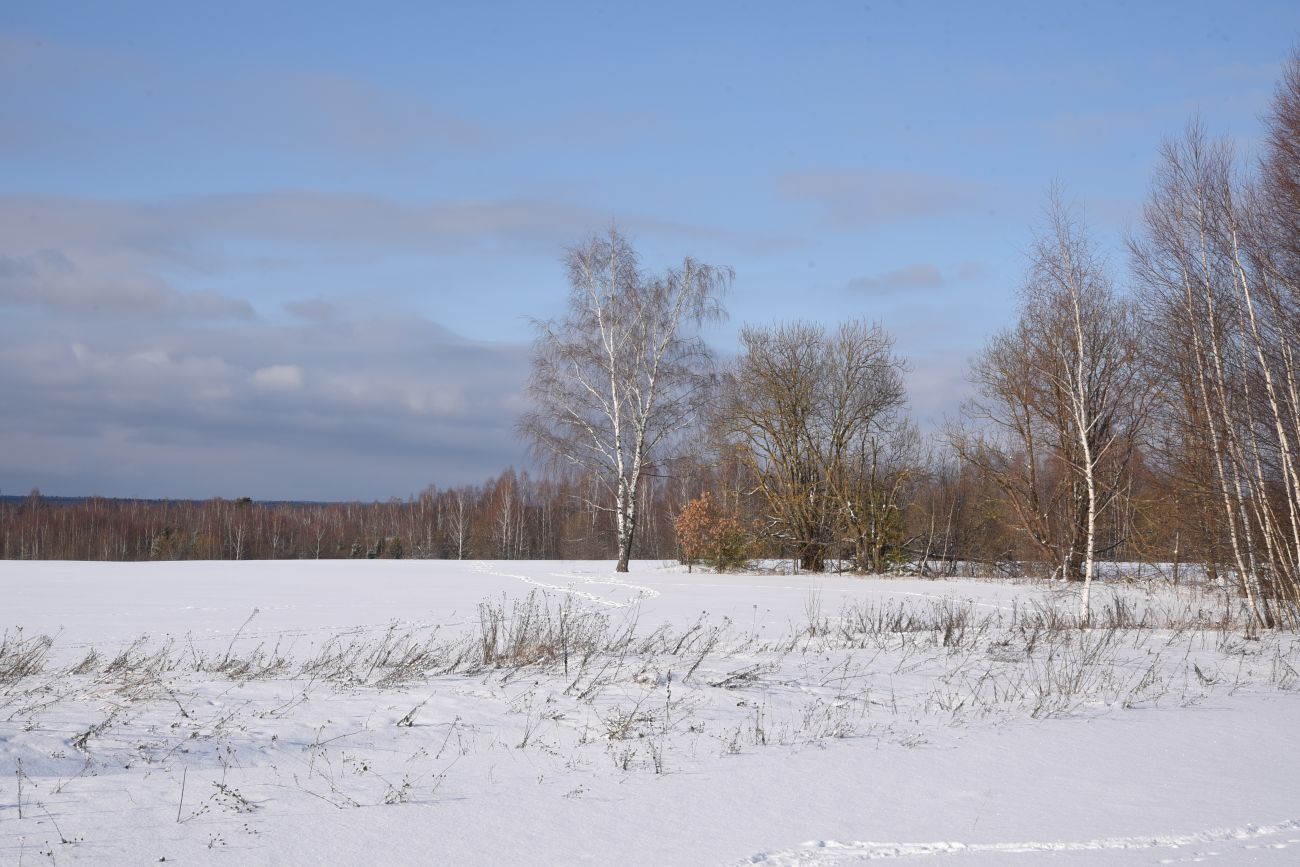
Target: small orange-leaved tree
[(706, 535)]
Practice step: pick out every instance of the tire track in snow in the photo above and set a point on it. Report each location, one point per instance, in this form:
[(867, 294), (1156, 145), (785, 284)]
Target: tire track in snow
[(819, 852)]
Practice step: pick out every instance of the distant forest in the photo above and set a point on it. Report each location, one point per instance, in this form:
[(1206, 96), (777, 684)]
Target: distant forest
[(511, 517), (943, 515)]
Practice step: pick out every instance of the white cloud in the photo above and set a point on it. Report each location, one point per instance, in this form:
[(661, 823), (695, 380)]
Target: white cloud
[(278, 377)]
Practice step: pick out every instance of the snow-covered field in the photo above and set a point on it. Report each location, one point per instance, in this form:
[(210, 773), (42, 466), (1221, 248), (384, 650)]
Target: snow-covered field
[(395, 712)]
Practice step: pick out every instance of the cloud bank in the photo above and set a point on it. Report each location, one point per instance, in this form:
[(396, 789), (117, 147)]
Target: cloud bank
[(368, 407)]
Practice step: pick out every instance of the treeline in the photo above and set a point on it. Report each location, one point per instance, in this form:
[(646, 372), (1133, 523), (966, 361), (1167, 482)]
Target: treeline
[(938, 510), (512, 516)]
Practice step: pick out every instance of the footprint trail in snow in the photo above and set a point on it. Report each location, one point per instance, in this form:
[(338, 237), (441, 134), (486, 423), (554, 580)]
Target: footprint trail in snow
[(640, 591), (819, 852)]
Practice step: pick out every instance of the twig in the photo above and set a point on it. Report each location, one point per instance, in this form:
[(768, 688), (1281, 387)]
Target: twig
[(184, 773), (238, 631)]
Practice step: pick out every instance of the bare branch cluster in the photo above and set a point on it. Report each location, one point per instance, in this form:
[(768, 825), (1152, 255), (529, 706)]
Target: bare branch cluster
[(813, 411)]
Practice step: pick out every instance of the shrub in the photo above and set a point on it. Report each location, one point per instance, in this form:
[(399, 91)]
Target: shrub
[(706, 535)]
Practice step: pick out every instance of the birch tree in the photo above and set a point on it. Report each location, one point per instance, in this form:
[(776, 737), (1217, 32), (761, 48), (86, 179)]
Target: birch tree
[(1062, 398), (624, 371), (1088, 359)]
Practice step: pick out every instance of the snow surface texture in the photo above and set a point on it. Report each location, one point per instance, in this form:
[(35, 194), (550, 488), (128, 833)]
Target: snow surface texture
[(394, 712)]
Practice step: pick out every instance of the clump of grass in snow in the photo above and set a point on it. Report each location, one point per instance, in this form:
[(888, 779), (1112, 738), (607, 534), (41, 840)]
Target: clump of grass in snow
[(22, 657)]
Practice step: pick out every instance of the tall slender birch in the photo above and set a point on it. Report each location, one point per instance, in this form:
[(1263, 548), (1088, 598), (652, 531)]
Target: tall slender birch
[(1061, 401), (1088, 360)]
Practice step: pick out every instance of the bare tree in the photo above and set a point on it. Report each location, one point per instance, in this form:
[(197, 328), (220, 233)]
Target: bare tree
[(1003, 436), (800, 402), (622, 372), (1091, 357), (883, 465), (1062, 399)]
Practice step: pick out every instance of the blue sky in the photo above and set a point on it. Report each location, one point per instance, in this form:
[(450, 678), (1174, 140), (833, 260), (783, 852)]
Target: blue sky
[(292, 251)]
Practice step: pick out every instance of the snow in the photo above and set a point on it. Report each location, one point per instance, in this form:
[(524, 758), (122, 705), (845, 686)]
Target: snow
[(309, 712)]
